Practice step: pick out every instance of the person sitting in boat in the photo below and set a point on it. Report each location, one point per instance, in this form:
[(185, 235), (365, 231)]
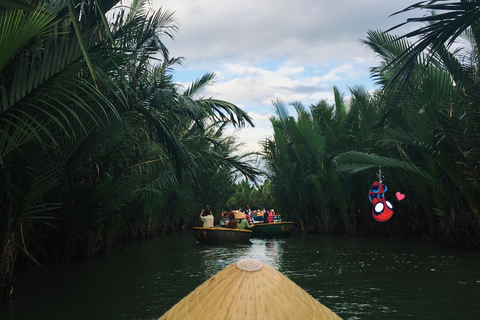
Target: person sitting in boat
[(276, 217), (270, 216), (242, 223), (248, 218), (266, 213), (232, 224), (207, 217)]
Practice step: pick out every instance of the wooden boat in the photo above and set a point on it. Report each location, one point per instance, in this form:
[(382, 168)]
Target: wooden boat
[(245, 290), (221, 235), (277, 229), (259, 219)]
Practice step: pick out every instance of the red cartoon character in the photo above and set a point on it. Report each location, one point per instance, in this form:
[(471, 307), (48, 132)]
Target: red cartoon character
[(382, 209)]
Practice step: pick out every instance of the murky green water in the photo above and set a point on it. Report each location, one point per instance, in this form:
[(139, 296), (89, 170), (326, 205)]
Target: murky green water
[(356, 278)]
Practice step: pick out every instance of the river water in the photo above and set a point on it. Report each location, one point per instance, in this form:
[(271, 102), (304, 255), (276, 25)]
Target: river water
[(356, 278)]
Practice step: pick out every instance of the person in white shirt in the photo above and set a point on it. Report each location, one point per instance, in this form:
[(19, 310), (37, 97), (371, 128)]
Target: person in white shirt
[(207, 217)]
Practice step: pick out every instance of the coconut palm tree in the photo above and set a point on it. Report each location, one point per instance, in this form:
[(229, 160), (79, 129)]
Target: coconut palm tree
[(86, 130), (51, 94), (304, 181), (449, 21), (430, 134)]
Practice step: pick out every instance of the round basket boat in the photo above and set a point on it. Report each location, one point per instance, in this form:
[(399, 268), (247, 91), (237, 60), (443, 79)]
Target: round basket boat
[(249, 290), (221, 235)]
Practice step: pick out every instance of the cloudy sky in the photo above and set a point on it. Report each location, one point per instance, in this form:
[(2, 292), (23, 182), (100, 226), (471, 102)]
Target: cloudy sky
[(263, 50)]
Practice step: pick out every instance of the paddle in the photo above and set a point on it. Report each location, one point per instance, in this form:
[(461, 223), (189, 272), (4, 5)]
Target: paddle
[(268, 235)]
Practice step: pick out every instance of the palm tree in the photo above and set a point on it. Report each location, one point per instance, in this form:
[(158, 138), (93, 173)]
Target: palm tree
[(89, 129), (299, 157), (449, 21), (430, 130), (49, 101)]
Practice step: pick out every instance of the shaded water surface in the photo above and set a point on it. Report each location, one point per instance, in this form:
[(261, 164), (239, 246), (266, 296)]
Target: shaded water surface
[(356, 278)]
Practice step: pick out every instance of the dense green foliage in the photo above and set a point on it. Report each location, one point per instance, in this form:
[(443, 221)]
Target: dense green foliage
[(256, 197), (421, 128), (97, 143), (305, 183)]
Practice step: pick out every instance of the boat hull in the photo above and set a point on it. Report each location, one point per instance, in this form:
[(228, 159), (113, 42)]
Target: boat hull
[(259, 219), (221, 235), (278, 229)]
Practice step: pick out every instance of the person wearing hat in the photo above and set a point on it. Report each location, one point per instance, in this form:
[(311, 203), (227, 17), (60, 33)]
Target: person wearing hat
[(207, 217), (242, 223)]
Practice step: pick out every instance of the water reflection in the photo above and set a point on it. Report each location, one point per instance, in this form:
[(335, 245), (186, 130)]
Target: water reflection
[(213, 258), (356, 278)]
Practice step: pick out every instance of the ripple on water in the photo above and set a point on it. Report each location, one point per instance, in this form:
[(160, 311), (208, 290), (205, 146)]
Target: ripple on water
[(356, 278)]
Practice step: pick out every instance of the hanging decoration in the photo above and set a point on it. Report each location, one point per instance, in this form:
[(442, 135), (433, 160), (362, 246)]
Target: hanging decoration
[(382, 210)]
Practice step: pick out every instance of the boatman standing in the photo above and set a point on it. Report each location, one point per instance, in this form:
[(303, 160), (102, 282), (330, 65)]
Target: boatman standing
[(207, 217)]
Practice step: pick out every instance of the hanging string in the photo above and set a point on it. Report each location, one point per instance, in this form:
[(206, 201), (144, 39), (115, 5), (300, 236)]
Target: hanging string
[(380, 174)]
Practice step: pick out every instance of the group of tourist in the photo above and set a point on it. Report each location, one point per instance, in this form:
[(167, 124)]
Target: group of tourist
[(238, 219)]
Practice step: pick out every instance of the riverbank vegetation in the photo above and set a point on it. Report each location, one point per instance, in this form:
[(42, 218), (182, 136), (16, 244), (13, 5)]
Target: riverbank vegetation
[(247, 194), (98, 143), (421, 129)]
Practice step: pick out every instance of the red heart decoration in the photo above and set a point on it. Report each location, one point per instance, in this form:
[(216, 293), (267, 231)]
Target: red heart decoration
[(400, 196)]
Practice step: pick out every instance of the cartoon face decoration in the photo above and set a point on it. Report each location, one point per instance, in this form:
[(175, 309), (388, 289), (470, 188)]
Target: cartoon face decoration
[(377, 192), (382, 210)]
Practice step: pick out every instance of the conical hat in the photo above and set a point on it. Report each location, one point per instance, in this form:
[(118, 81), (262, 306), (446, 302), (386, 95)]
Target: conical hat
[(239, 215), (248, 290)]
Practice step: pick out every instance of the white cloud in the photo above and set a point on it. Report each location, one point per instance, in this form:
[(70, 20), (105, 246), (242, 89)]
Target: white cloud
[(343, 72), (285, 71), (254, 87), (252, 137), (306, 31), (285, 49)]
